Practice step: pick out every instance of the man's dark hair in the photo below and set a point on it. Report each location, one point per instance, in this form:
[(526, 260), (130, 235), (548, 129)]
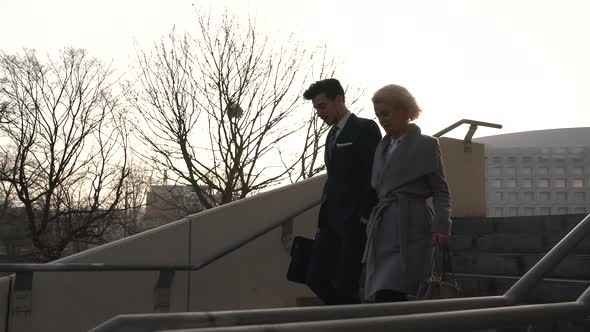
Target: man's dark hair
[(331, 87)]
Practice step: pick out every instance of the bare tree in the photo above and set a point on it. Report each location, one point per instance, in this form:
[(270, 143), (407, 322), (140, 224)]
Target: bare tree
[(215, 108), (69, 151), (132, 207)]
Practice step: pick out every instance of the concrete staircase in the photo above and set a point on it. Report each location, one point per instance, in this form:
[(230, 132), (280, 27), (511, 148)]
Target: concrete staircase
[(490, 254)]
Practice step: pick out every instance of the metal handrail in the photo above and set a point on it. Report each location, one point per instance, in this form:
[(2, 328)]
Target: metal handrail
[(460, 314), (98, 267), (465, 320), (549, 261), (94, 267), (470, 122), (150, 322)]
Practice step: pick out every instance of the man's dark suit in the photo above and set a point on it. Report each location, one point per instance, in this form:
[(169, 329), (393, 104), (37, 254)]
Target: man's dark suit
[(335, 265)]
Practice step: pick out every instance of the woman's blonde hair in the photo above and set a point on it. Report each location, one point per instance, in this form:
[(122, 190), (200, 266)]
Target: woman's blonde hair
[(398, 97)]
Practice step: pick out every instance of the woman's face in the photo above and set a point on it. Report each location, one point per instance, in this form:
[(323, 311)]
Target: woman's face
[(392, 119)]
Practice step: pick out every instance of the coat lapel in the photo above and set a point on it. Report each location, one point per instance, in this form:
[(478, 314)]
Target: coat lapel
[(405, 164)]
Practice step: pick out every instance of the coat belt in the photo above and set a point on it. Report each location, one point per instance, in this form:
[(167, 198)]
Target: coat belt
[(376, 218)]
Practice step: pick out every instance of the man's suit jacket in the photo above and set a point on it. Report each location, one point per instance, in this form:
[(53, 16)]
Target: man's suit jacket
[(335, 264), (348, 195)]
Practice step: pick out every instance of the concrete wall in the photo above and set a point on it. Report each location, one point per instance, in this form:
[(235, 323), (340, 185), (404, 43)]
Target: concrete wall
[(254, 276), (77, 301), (465, 171)]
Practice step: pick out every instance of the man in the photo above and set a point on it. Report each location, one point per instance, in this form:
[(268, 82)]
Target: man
[(335, 265)]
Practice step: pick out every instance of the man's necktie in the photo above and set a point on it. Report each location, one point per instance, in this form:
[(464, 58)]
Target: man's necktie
[(330, 142)]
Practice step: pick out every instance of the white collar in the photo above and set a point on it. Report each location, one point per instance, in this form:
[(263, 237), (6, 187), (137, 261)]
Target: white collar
[(340, 124)]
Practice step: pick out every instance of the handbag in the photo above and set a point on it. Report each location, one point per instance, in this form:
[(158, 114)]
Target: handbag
[(301, 251), (440, 284)]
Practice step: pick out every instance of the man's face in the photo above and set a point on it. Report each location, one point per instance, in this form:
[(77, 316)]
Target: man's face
[(390, 118), (326, 108)]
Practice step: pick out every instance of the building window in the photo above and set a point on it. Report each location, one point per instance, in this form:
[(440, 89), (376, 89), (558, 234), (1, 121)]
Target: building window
[(544, 159), (512, 211), (498, 196), (562, 210), (510, 171), (576, 149), (497, 160), (559, 150), (528, 211), (542, 170), (542, 183), (509, 183), (580, 210), (512, 196), (528, 196), (544, 196), (561, 196), (545, 211), (527, 160), (498, 212), (495, 171), (495, 183), (558, 183), (558, 170), (511, 159), (525, 183), (577, 183), (526, 171), (580, 196), (578, 170)]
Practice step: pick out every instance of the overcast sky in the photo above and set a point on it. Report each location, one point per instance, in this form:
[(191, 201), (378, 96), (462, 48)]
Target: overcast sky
[(524, 64)]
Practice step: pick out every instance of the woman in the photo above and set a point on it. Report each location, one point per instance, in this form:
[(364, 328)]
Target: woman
[(407, 170)]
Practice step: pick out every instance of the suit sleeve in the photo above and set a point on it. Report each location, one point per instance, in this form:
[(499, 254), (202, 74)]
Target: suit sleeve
[(441, 197), (368, 197)]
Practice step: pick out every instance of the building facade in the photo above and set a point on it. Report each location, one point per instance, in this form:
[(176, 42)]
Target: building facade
[(538, 173)]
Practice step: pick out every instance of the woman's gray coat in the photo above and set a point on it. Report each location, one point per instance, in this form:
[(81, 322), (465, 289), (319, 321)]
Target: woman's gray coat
[(397, 254)]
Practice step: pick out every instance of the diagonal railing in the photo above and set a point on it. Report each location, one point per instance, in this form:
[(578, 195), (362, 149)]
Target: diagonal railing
[(456, 314)]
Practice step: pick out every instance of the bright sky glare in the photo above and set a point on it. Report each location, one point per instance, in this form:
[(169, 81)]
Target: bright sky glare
[(521, 63)]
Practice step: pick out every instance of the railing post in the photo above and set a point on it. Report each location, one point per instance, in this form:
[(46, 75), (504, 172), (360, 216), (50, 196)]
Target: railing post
[(162, 291), (21, 303), (468, 138)]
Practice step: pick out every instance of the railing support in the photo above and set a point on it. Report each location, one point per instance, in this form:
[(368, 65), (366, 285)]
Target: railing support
[(162, 291)]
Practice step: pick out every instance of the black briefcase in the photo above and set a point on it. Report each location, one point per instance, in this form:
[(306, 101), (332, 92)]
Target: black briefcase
[(300, 257)]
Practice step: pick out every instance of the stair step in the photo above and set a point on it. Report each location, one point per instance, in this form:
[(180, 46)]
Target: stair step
[(548, 290), (512, 243), (516, 225), (572, 267)]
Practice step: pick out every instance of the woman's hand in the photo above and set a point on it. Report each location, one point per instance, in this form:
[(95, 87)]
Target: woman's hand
[(440, 239)]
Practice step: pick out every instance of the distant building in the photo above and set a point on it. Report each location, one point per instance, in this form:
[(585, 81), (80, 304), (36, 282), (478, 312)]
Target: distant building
[(15, 244), (545, 172), (167, 203)]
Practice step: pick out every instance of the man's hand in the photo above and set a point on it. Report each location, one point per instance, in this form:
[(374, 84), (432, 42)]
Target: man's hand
[(440, 239)]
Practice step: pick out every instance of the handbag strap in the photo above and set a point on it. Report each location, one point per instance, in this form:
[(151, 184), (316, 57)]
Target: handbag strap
[(441, 254)]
